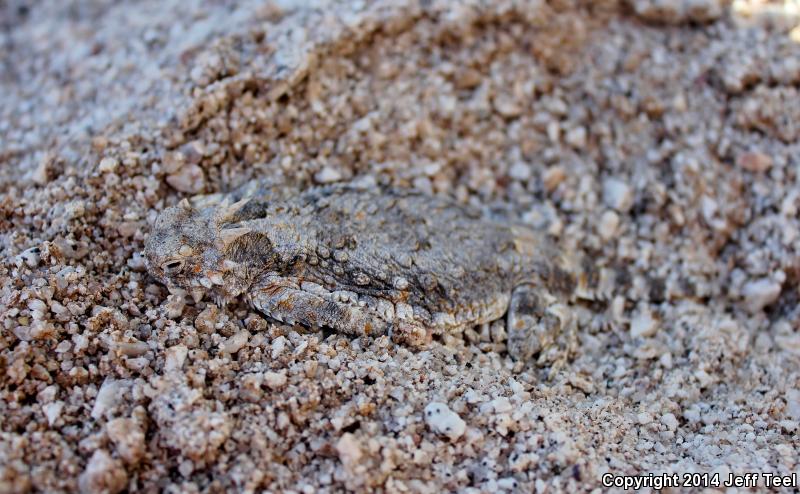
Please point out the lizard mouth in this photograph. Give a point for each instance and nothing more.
(216, 286)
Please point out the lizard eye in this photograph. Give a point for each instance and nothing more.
(172, 266)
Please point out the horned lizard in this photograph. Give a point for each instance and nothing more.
(369, 261)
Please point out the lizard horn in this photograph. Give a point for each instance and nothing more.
(228, 210)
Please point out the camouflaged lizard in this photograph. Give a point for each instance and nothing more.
(369, 261)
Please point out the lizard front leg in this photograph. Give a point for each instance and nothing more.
(285, 299)
(536, 320)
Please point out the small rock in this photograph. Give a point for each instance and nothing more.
(174, 305)
(609, 222)
(74, 209)
(500, 405)
(175, 358)
(128, 438)
(552, 177)
(349, 450)
(754, 162)
(206, 321)
(250, 387)
(278, 346)
(189, 178)
(108, 165)
(29, 257)
(617, 195)
(128, 229)
(235, 342)
(328, 175)
(644, 418)
(692, 415)
(669, 420)
(793, 404)
(583, 383)
(519, 171)
(643, 324)
(576, 137)
(53, 411)
(506, 106)
(173, 161)
(444, 421)
(275, 380)
(103, 475)
(110, 394)
(760, 293)
(41, 175)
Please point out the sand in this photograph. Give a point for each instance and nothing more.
(661, 136)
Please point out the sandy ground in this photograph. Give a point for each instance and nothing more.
(658, 135)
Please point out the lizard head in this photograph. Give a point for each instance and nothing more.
(186, 249)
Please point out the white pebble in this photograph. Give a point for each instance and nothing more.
(793, 404)
(403, 311)
(275, 380)
(189, 178)
(609, 222)
(576, 137)
(501, 405)
(53, 411)
(617, 195)
(176, 356)
(103, 474)
(643, 324)
(111, 393)
(328, 175)
(760, 293)
(277, 346)
(349, 450)
(444, 421)
(29, 257)
(235, 342)
(670, 421)
(108, 165)
(519, 171)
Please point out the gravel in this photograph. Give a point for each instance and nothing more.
(658, 136)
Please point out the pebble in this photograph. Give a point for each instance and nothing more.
(190, 179)
(760, 293)
(617, 194)
(29, 257)
(206, 321)
(754, 162)
(235, 342)
(669, 420)
(52, 411)
(643, 324)
(349, 450)
(174, 305)
(576, 137)
(110, 394)
(444, 421)
(175, 358)
(277, 346)
(128, 439)
(552, 177)
(275, 380)
(520, 171)
(328, 175)
(609, 222)
(103, 475)
(108, 165)
(429, 125)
